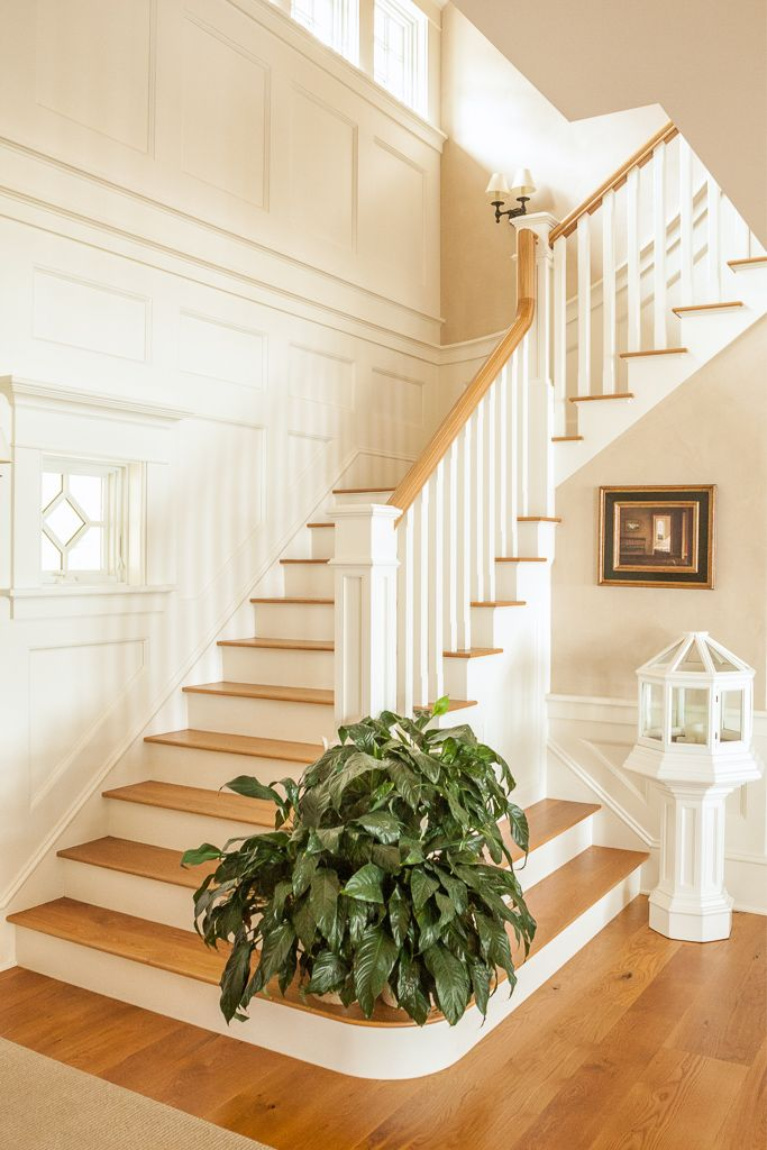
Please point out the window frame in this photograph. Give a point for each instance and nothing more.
(115, 521)
(415, 93)
(344, 38)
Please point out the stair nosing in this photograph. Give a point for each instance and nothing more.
(726, 305)
(132, 793)
(288, 601)
(654, 352)
(167, 739)
(323, 646)
(601, 398)
(261, 692)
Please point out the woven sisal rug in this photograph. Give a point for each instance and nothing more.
(45, 1105)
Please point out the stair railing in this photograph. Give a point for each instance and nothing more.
(408, 572)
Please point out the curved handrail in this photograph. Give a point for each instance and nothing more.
(419, 474)
(616, 180)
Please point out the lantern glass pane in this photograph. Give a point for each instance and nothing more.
(720, 662)
(731, 724)
(652, 711)
(689, 715)
(693, 661)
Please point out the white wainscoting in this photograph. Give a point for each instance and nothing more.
(590, 739)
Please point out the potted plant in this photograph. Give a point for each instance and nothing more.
(387, 868)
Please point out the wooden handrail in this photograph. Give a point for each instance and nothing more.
(616, 180)
(466, 404)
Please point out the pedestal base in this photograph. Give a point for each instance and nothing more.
(676, 918)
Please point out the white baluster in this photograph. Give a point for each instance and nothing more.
(659, 253)
(501, 427)
(560, 335)
(475, 424)
(436, 544)
(634, 292)
(584, 304)
(513, 465)
(464, 539)
(609, 349)
(405, 616)
(453, 548)
(524, 427)
(713, 226)
(487, 510)
(685, 222)
(422, 595)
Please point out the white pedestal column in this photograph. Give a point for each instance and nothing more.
(690, 901)
(365, 565)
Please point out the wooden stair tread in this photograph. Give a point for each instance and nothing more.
(319, 695)
(601, 398)
(252, 745)
(473, 653)
(499, 603)
(752, 261)
(521, 559)
(196, 801)
(308, 562)
(286, 601)
(567, 439)
(547, 819)
(280, 644)
(707, 307)
(453, 705)
(656, 351)
(139, 859)
(541, 518)
(363, 490)
(555, 902)
(312, 526)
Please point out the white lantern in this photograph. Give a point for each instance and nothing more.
(694, 737)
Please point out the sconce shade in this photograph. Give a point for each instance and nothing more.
(498, 190)
(522, 184)
(5, 451)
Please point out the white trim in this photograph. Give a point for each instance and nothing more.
(603, 795)
(33, 393)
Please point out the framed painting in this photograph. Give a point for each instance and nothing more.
(656, 536)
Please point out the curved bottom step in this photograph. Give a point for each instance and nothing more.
(168, 970)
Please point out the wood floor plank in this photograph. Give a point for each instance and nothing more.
(196, 800)
(745, 1124)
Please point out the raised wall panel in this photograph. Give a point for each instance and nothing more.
(323, 167)
(304, 451)
(399, 186)
(321, 377)
(225, 114)
(70, 690)
(396, 397)
(93, 316)
(218, 350)
(94, 64)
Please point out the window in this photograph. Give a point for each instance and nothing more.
(334, 22)
(83, 525)
(400, 51)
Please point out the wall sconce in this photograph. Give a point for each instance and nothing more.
(499, 192)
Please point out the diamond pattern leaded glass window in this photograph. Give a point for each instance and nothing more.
(81, 522)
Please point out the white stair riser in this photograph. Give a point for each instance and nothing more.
(177, 830)
(266, 718)
(362, 497)
(470, 715)
(211, 770)
(747, 283)
(468, 678)
(520, 580)
(308, 580)
(538, 539)
(160, 902)
(554, 854)
(360, 1051)
(707, 332)
(294, 620)
(323, 542)
(278, 667)
(496, 626)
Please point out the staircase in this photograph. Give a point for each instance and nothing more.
(392, 598)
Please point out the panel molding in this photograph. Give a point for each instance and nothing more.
(335, 113)
(40, 271)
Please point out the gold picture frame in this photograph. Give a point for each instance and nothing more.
(657, 536)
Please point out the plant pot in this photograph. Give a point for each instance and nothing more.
(386, 996)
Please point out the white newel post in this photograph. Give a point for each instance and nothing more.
(541, 393)
(695, 740)
(365, 565)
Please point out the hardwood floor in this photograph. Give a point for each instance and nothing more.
(638, 1043)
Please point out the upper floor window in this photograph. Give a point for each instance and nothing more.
(83, 522)
(401, 51)
(334, 22)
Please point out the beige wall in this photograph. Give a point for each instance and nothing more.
(496, 120)
(704, 61)
(712, 429)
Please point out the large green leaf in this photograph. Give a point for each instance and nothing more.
(382, 825)
(366, 884)
(235, 978)
(357, 919)
(303, 872)
(410, 990)
(520, 831)
(373, 962)
(275, 949)
(198, 855)
(451, 980)
(305, 922)
(252, 789)
(422, 887)
(329, 972)
(481, 980)
(399, 915)
(406, 781)
(324, 897)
